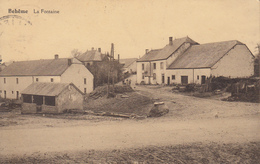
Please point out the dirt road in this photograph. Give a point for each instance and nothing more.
(189, 120)
(128, 134)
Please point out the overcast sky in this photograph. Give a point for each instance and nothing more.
(132, 25)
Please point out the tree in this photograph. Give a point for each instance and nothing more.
(75, 53)
(257, 61)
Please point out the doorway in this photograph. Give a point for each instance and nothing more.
(168, 80)
(162, 78)
(203, 79)
(184, 80)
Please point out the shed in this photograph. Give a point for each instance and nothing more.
(51, 98)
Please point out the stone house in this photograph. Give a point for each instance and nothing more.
(185, 61)
(19, 75)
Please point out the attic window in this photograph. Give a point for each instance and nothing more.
(161, 65)
(51, 79)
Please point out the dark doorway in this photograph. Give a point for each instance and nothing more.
(163, 78)
(184, 80)
(168, 80)
(17, 95)
(38, 100)
(203, 79)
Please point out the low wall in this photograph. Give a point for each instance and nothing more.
(28, 108)
(49, 109)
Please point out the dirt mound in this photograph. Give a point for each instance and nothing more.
(131, 104)
(101, 91)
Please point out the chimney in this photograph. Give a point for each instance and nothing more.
(69, 62)
(99, 49)
(56, 56)
(170, 40)
(92, 48)
(146, 51)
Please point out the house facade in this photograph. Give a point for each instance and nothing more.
(19, 75)
(194, 63)
(47, 97)
(91, 57)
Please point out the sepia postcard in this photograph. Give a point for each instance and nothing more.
(129, 81)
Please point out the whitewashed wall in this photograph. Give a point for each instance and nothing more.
(237, 63)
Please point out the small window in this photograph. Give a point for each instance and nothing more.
(88, 64)
(85, 81)
(4, 80)
(142, 66)
(173, 77)
(17, 81)
(37, 79)
(161, 64)
(154, 76)
(154, 65)
(198, 77)
(142, 75)
(85, 90)
(12, 92)
(51, 79)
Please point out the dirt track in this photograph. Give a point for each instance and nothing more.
(189, 120)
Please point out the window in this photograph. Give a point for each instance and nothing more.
(142, 75)
(37, 79)
(154, 76)
(198, 77)
(161, 64)
(12, 92)
(154, 65)
(50, 100)
(85, 81)
(85, 90)
(142, 66)
(173, 77)
(51, 79)
(4, 80)
(27, 98)
(17, 81)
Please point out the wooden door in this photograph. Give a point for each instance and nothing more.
(184, 80)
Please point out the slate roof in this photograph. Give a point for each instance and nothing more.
(92, 55)
(168, 50)
(204, 55)
(44, 67)
(46, 89)
(127, 62)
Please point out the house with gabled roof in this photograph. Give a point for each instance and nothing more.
(91, 57)
(19, 75)
(196, 62)
(129, 65)
(151, 67)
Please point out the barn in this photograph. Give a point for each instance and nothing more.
(46, 97)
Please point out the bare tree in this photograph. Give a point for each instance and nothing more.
(75, 53)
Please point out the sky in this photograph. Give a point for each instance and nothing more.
(132, 25)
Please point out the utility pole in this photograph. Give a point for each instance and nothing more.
(113, 59)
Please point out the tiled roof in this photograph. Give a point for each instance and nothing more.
(46, 67)
(204, 55)
(167, 50)
(92, 55)
(127, 62)
(46, 89)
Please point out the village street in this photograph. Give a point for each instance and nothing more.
(190, 120)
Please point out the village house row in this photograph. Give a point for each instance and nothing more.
(44, 82)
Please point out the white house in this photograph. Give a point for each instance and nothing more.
(19, 75)
(129, 65)
(193, 62)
